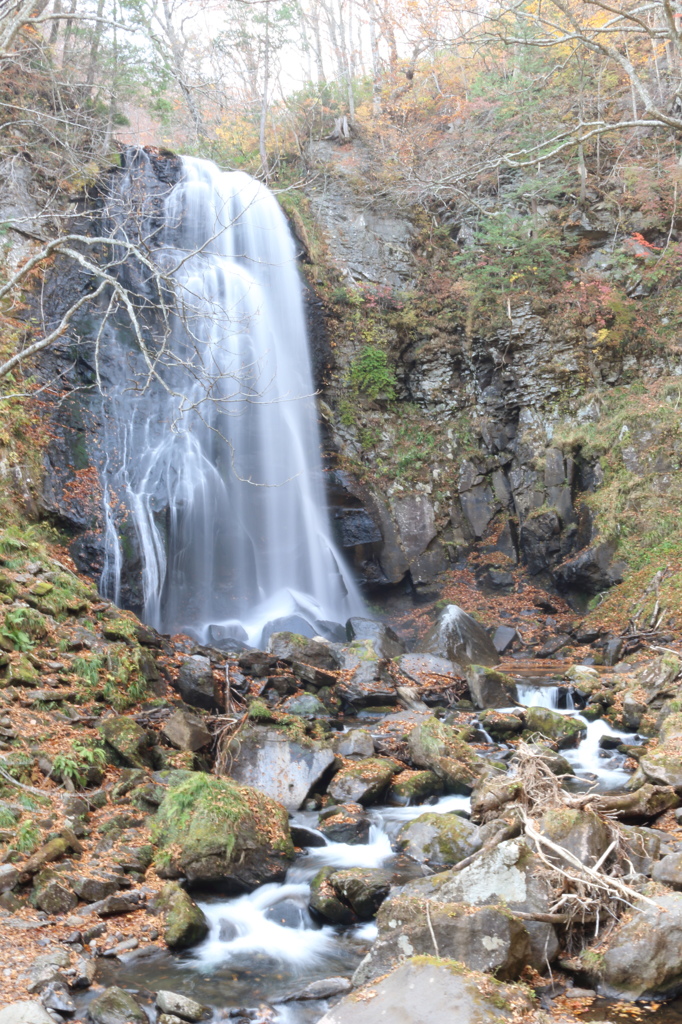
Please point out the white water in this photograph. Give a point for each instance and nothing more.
(538, 696)
(222, 477)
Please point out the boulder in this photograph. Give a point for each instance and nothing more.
(115, 1006)
(52, 894)
(582, 832)
(91, 888)
(490, 689)
(194, 683)
(179, 1006)
(25, 1011)
(503, 638)
(293, 647)
(363, 889)
(275, 763)
(439, 840)
(211, 829)
(186, 731)
(669, 871)
(658, 675)
(643, 954)
(485, 939)
(501, 726)
(127, 740)
(307, 705)
(368, 686)
(325, 988)
(566, 732)
(385, 642)
(364, 782)
(346, 824)
(9, 876)
(663, 767)
(184, 923)
(418, 667)
(428, 989)
(436, 746)
(457, 636)
(355, 743)
(642, 846)
(325, 901)
(413, 787)
(591, 571)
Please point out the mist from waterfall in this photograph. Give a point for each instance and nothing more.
(217, 459)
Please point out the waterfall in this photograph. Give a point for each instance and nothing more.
(214, 458)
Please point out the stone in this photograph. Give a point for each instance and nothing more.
(281, 767)
(582, 832)
(363, 889)
(325, 988)
(427, 990)
(115, 1006)
(386, 643)
(291, 647)
(25, 1011)
(591, 571)
(52, 894)
(658, 675)
(642, 846)
(325, 901)
(194, 683)
(485, 939)
(9, 877)
(669, 871)
(92, 888)
(362, 783)
(566, 732)
(642, 958)
(55, 996)
(436, 746)
(184, 923)
(127, 739)
(458, 637)
(368, 686)
(489, 688)
(413, 787)
(186, 731)
(345, 824)
(355, 743)
(418, 667)
(503, 638)
(211, 829)
(439, 840)
(307, 705)
(179, 1006)
(663, 768)
(501, 726)
(83, 971)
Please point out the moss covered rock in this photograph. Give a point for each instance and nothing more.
(566, 732)
(127, 740)
(363, 889)
(325, 901)
(439, 840)
(437, 746)
(364, 782)
(184, 923)
(413, 787)
(211, 829)
(116, 1007)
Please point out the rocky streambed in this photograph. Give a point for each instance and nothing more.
(285, 832)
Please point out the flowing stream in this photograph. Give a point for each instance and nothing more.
(215, 456)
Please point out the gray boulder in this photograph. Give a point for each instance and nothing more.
(116, 1007)
(435, 745)
(582, 832)
(385, 642)
(428, 990)
(490, 689)
(418, 667)
(362, 783)
(26, 1011)
(292, 647)
(265, 758)
(186, 731)
(644, 953)
(566, 732)
(669, 871)
(194, 683)
(439, 840)
(458, 637)
(355, 743)
(179, 1005)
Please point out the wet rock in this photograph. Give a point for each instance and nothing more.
(385, 642)
(211, 829)
(288, 914)
(501, 726)
(325, 902)
(363, 889)
(503, 638)
(582, 832)
(55, 996)
(325, 988)
(194, 683)
(490, 689)
(482, 938)
(436, 746)
(306, 837)
(116, 1007)
(430, 989)
(362, 783)
(267, 759)
(566, 732)
(458, 637)
(413, 787)
(179, 1006)
(25, 1011)
(355, 743)
(642, 958)
(293, 647)
(346, 824)
(439, 840)
(125, 737)
(186, 731)
(184, 923)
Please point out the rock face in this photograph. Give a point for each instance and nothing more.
(425, 990)
(265, 758)
(439, 840)
(644, 954)
(460, 638)
(436, 746)
(212, 830)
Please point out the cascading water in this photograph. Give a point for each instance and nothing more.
(217, 456)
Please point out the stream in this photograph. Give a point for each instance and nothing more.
(265, 946)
